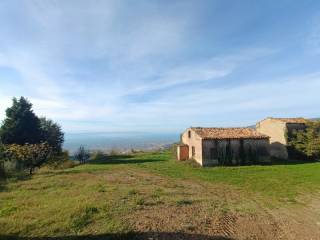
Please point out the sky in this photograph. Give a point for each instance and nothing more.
(160, 66)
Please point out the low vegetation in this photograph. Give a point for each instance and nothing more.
(305, 144)
(124, 196)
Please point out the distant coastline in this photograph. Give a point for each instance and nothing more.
(120, 141)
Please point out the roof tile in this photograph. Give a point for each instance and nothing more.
(291, 120)
(226, 133)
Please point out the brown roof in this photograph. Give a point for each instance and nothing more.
(228, 133)
(291, 120)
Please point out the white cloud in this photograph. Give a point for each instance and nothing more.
(184, 107)
(81, 62)
(205, 70)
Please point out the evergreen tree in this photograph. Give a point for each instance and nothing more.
(51, 133)
(21, 124)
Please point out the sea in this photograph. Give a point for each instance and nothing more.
(119, 141)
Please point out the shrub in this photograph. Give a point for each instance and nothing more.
(140, 201)
(82, 155)
(114, 152)
(305, 142)
(98, 155)
(2, 159)
(65, 164)
(28, 156)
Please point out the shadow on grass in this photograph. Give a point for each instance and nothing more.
(3, 187)
(127, 236)
(287, 162)
(13, 177)
(122, 159)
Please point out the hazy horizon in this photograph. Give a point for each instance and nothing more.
(124, 141)
(160, 66)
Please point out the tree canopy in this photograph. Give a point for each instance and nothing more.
(27, 140)
(21, 125)
(51, 133)
(307, 142)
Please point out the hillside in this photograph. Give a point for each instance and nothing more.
(152, 196)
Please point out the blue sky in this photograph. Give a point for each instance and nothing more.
(160, 66)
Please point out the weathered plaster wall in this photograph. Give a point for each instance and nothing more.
(276, 130)
(194, 141)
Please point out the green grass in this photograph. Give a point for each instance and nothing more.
(272, 180)
(95, 198)
(286, 180)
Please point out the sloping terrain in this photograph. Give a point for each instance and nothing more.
(151, 196)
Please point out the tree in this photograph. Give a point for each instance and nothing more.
(2, 159)
(307, 142)
(21, 124)
(51, 133)
(29, 155)
(82, 155)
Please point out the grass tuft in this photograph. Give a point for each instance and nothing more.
(132, 192)
(184, 202)
(82, 218)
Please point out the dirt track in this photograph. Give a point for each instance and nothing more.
(219, 212)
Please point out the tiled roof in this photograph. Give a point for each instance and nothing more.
(291, 120)
(228, 133)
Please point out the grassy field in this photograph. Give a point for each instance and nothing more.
(151, 194)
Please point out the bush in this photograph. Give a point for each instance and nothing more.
(305, 143)
(2, 159)
(62, 161)
(28, 156)
(98, 155)
(82, 155)
(114, 152)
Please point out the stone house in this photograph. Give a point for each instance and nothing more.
(213, 146)
(278, 129)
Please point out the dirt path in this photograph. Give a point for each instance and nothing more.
(198, 210)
